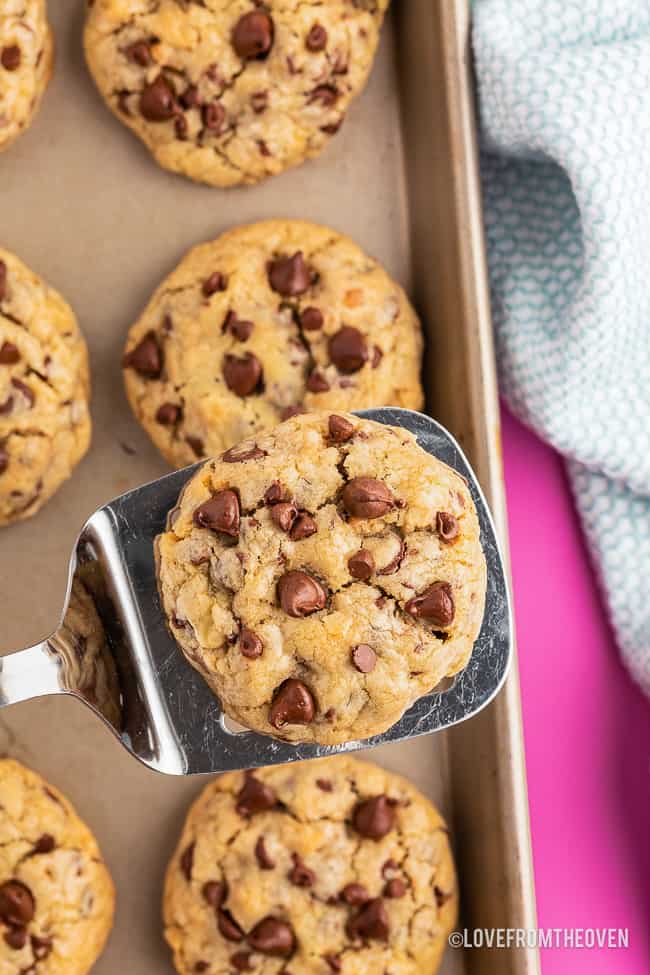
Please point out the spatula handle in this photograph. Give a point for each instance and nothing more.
(29, 673)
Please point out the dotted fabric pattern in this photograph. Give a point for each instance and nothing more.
(564, 89)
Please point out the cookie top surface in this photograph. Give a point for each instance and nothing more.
(270, 318)
(311, 868)
(44, 388)
(25, 64)
(323, 577)
(232, 91)
(56, 895)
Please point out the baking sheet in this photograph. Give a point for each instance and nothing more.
(85, 206)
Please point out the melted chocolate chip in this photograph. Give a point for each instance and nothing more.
(361, 565)
(187, 861)
(158, 101)
(275, 493)
(243, 374)
(371, 923)
(303, 527)
(316, 39)
(228, 927)
(139, 53)
(292, 704)
(250, 644)
(354, 895)
(325, 95)
(4, 460)
(219, 514)
(311, 320)
(395, 888)
(17, 903)
(242, 330)
(213, 116)
(300, 594)
(26, 391)
(216, 282)
(241, 961)
(366, 497)
(44, 844)
(300, 875)
(348, 349)
(374, 818)
(254, 796)
(9, 354)
(197, 445)
(214, 893)
(241, 453)
(41, 947)
(435, 605)
(146, 357)
(252, 36)
(11, 57)
(168, 414)
(16, 938)
(324, 785)
(265, 861)
(447, 527)
(340, 430)
(283, 515)
(364, 658)
(270, 936)
(316, 382)
(289, 276)
(334, 963)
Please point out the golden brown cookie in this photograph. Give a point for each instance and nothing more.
(268, 320)
(56, 894)
(232, 91)
(26, 56)
(44, 390)
(323, 577)
(314, 868)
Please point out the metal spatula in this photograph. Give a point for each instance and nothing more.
(113, 650)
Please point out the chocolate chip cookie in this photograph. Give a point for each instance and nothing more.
(271, 319)
(44, 389)
(323, 576)
(26, 56)
(232, 91)
(56, 894)
(314, 868)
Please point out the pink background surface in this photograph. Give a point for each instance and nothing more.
(587, 726)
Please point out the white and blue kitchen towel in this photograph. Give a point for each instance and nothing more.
(564, 93)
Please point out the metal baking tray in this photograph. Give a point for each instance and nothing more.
(85, 206)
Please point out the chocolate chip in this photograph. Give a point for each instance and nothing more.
(292, 704)
(377, 356)
(394, 564)
(275, 493)
(447, 526)
(252, 36)
(228, 927)
(241, 453)
(17, 903)
(395, 888)
(290, 411)
(214, 893)
(168, 414)
(442, 896)
(283, 515)
(4, 460)
(3, 280)
(254, 796)
(259, 101)
(158, 101)
(316, 39)
(250, 644)
(340, 430)
(7, 406)
(273, 937)
(300, 875)
(26, 391)
(201, 966)
(289, 276)
(41, 947)
(348, 349)
(303, 527)
(219, 514)
(354, 895)
(311, 320)
(213, 115)
(361, 565)
(146, 357)
(180, 127)
(389, 866)
(366, 497)
(240, 329)
(10, 57)
(364, 658)
(44, 844)
(435, 604)
(371, 923)
(242, 375)
(9, 354)
(324, 785)
(300, 594)
(316, 382)
(241, 961)
(262, 855)
(334, 963)
(16, 938)
(190, 97)
(216, 282)
(197, 445)
(374, 818)
(187, 861)
(139, 53)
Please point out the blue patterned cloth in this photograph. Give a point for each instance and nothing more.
(564, 90)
